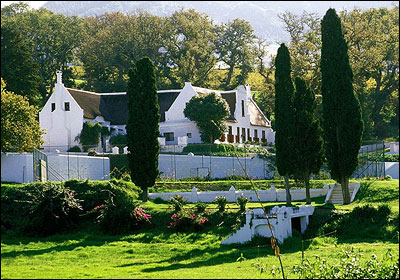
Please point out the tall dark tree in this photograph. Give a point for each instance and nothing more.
(342, 121)
(142, 128)
(284, 117)
(308, 135)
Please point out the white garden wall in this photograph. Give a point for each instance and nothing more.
(272, 194)
(19, 167)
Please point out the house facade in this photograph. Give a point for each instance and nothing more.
(67, 109)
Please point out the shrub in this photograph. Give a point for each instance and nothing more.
(221, 201)
(52, 207)
(118, 140)
(348, 266)
(94, 193)
(200, 207)
(74, 149)
(177, 202)
(119, 215)
(242, 201)
(186, 221)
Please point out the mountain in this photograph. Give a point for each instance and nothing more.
(262, 15)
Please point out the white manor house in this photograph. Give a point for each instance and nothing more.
(67, 109)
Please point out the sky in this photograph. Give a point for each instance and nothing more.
(33, 4)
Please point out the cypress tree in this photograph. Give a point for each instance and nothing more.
(284, 117)
(308, 135)
(342, 121)
(143, 128)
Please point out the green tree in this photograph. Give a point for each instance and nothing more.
(373, 44)
(113, 42)
(189, 48)
(17, 65)
(308, 153)
(89, 136)
(209, 112)
(284, 117)
(54, 39)
(142, 128)
(342, 121)
(20, 130)
(235, 46)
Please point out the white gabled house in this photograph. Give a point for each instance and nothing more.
(67, 109)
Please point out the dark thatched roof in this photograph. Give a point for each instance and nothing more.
(113, 107)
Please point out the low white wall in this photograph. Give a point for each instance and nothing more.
(65, 167)
(185, 166)
(18, 168)
(392, 169)
(271, 194)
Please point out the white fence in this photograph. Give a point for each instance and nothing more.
(272, 194)
(19, 167)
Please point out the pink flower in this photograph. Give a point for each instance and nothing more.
(72, 192)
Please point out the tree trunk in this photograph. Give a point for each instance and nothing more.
(345, 190)
(287, 187)
(145, 194)
(307, 182)
(229, 78)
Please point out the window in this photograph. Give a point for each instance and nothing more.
(238, 131)
(66, 106)
(248, 134)
(230, 130)
(263, 134)
(255, 133)
(169, 136)
(189, 135)
(53, 106)
(242, 108)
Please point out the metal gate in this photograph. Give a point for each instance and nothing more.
(40, 166)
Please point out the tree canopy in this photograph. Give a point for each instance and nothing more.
(20, 130)
(209, 111)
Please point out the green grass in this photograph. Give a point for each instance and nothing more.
(156, 252)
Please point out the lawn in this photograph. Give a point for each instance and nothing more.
(156, 252)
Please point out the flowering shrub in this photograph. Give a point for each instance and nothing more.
(177, 202)
(186, 221)
(242, 201)
(119, 216)
(221, 201)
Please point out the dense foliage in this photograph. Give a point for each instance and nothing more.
(284, 116)
(89, 136)
(20, 129)
(308, 154)
(142, 128)
(209, 112)
(342, 123)
(51, 207)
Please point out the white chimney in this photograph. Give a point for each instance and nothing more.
(59, 77)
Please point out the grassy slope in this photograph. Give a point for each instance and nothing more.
(158, 253)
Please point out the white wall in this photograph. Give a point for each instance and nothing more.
(392, 169)
(180, 128)
(271, 194)
(61, 127)
(19, 167)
